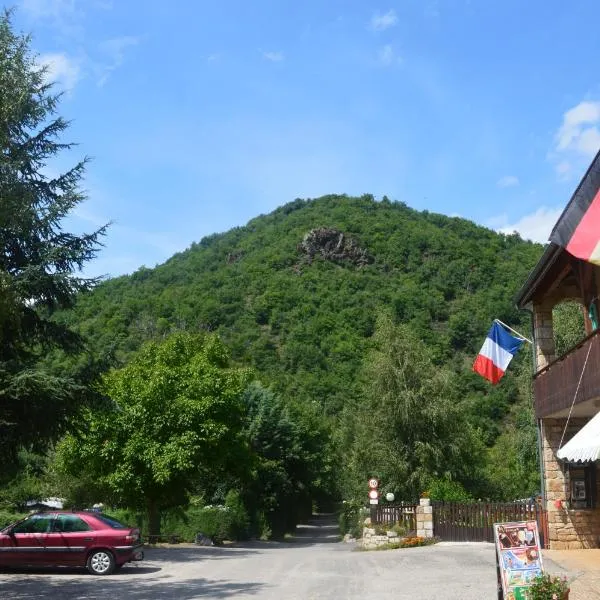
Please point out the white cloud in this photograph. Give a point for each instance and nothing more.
(59, 9)
(588, 141)
(66, 17)
(564, 169)
(578, 123)
(43, 9)
(387, 57)
(578, 138)
(61, 69)
(114, 49)
(535, 227)
(508, 181)
(380, 22)
(273, 56)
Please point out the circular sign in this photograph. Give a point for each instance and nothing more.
(390, 497)
(373, 494)
(373, 483)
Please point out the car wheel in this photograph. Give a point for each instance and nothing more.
(101, 562)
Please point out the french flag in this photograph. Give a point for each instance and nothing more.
(496, 353)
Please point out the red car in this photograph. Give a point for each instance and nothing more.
(79, 538)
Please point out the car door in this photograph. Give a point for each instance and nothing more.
(70, 538)
(24, 543)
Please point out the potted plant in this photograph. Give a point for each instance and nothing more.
(548, 587)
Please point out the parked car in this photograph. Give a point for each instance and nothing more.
(77, 538)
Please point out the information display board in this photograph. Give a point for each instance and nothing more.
(519, 557)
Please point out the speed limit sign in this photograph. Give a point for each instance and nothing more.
(373, 483)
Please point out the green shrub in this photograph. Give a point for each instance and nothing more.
(239, 521)
(212, 521)
(264, 529)
(7, 517)
(129, 517)
(448, 490)
(351, 517)
(219, 522)
(548, 587)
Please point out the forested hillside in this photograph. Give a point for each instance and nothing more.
(296, 295)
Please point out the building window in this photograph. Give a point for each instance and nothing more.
(583, 489)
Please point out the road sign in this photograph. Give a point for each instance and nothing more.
(373, 494)
(373, 483)
(374, 501)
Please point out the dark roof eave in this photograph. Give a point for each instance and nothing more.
(548, 258)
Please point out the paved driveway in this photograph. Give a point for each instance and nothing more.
(275, 571)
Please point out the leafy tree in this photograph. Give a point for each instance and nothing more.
(410, 431)
(177, 410)
(568, 326)
(39, 260)
(293, 460)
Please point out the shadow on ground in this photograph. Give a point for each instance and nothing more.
(103, 588)
(159, 577)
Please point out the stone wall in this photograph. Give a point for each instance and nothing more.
(370, 540)
(568, 528)
(424, 522)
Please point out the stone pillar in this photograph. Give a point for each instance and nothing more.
(554, 474)
(425, 518)
(543, 335)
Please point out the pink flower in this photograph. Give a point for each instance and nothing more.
(554, 596)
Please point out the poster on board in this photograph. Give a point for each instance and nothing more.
(519, 557)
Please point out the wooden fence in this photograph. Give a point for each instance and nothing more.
(473, 521)
(404, 513)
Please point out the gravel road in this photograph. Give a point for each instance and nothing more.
(312, 566)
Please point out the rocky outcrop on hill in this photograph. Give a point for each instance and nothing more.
(334, 245)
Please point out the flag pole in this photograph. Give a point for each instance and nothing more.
(511, 329)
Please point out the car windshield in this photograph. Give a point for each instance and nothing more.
(111, 522)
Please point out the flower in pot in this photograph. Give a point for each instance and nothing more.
(549, 587)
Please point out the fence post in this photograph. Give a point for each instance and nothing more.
(373, 514)
(424, 518)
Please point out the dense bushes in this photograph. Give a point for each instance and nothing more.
(217, 522)
(350, 518)
(7, 517)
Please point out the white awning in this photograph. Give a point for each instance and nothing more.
(584, 446)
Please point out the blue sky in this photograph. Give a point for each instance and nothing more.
(202, 115)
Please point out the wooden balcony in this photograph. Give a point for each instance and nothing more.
(555, 385)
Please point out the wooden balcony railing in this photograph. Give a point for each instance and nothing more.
(555, 385)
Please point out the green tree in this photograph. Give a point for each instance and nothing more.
(177, 410)
(568, 326)
(293, 460)
(40, 262)
(410, 431)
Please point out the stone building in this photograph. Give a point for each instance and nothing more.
(567, 387)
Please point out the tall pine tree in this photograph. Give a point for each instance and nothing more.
(40, 263)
